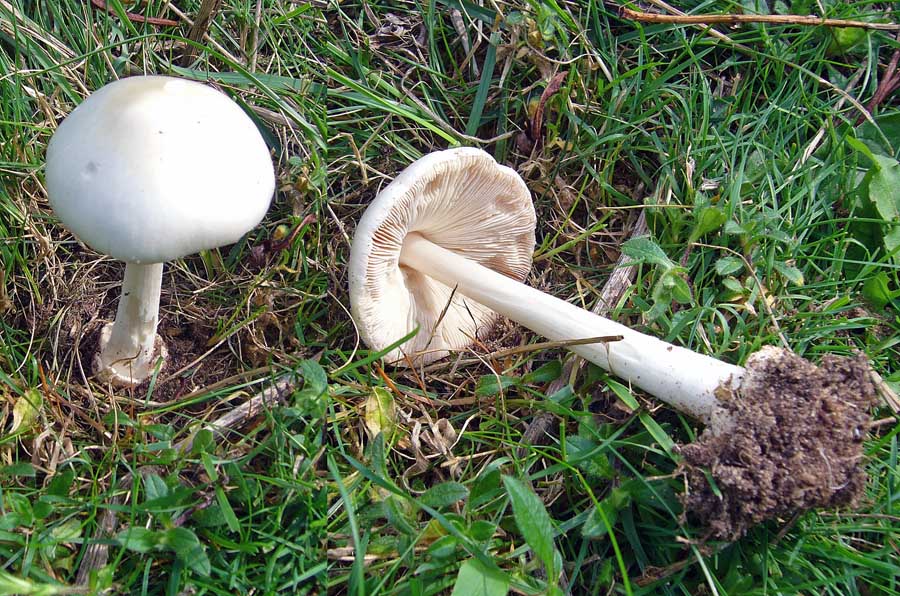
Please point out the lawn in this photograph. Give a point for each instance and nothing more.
(276, 454)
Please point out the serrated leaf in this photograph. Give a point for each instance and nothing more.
(474, 579)
(380, 413)
(444, 494)
(315, 380)
(729, 266)
(533, 522)
(26, 411)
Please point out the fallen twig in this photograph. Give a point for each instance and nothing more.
(532, 137)
(739, 19)
(205, 14)
(889, 83)
(273, 395)
(135, 18)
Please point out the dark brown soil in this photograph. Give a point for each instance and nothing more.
(792, 441)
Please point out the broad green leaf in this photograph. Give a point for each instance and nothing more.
(883, 136)
(26, 411)
(733, 285)
(790, 273)
(884, 192)
(482, 530)
(138, 539)
(474, 579)
(618, 499)
(20, 469)
(645, 250)
(186, 546)
(877, 290)
(681, 291)
(546, 373)
(489, 385)
(581, 453)
(861, 147)
(709, 220)
(155, 487)
(844, 39)
(534, 522)
(729, 265)
(444, 494)
(312, 398)
(381, 413)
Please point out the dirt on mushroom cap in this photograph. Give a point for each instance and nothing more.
(796, 443)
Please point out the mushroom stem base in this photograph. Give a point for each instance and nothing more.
(123, 369)
(130, 348)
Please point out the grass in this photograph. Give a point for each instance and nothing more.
(744, 148)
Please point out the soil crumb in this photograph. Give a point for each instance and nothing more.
(792, 441)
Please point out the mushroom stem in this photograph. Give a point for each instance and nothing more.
(684, 379)
(129, 347)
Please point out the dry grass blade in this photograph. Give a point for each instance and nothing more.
(739, 19)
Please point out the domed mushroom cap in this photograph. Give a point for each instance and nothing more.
(462, 200)
(151, 168)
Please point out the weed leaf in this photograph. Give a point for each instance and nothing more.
(533, 521)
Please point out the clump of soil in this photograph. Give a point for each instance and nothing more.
(791, 440)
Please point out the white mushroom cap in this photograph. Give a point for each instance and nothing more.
(462, 200)
(150, 169)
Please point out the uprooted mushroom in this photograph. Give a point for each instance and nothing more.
(149, 169)
(444, 248)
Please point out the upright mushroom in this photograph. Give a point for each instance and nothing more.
(149, 169)
(444, 248)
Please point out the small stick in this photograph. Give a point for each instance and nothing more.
(135, 18)
(889, 83)
(738, 19)
(199, 28)
(273, 395)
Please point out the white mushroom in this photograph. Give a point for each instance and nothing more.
(455, 220)
(457, 224)
(147, 170)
